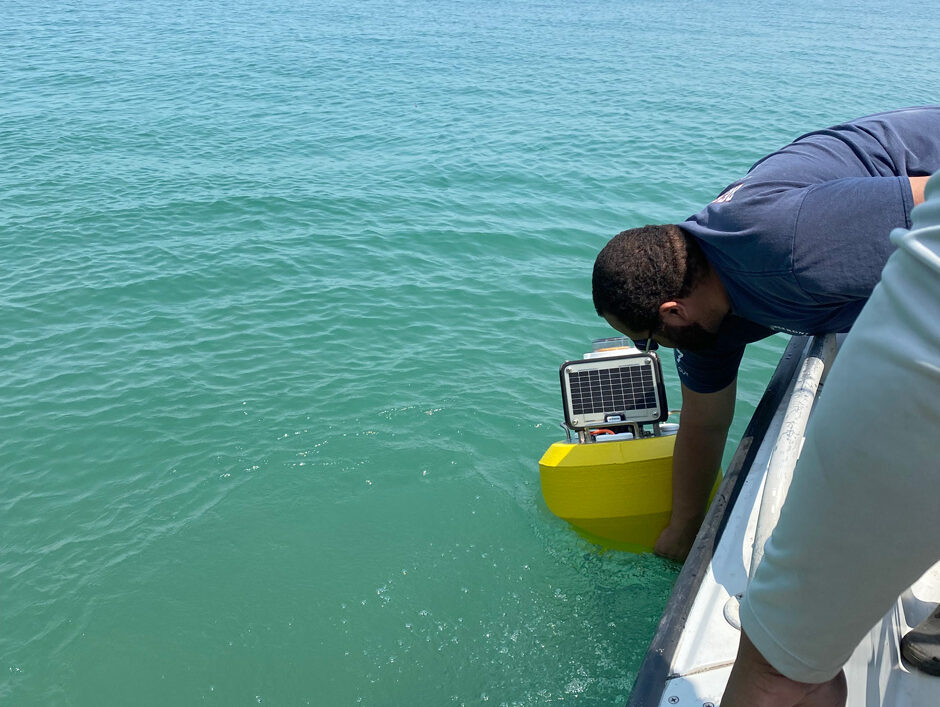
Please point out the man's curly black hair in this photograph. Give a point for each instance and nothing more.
(641, 268)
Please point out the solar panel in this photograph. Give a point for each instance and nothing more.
(617, 389)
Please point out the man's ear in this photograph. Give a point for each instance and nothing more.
(674, 313)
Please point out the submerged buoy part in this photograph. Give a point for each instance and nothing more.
(617, 494)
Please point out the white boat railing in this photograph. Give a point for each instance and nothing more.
(786, 451)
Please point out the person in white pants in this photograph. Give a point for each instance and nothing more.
(861, 520)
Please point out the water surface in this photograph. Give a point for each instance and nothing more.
(284, 292)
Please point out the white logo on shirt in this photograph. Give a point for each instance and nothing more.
(789, 331)
(726, 197)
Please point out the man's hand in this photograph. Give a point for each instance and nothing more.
(676, 541)
(756, 683)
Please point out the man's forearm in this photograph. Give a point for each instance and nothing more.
(695, 464)
(700, 443)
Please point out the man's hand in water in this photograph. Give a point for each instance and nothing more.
(675, 542)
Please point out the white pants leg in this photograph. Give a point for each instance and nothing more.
(861, 522)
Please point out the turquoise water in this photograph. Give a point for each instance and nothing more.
(284, 292)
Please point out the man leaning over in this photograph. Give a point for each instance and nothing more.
(795, 246)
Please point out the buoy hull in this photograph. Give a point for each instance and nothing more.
(617, 494)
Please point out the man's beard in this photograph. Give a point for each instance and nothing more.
(691, 337)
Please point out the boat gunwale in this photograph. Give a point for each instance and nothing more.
(650, 683)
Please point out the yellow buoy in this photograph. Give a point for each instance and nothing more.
(614, 485)
(617, 494)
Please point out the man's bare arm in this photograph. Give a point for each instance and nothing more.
(700, 444)
(917, 188)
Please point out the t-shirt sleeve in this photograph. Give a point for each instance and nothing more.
(706, 372)
(852, 219)
(711, 370)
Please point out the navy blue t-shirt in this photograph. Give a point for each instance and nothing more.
(799, 243)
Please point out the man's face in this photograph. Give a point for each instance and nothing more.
(691, 337)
